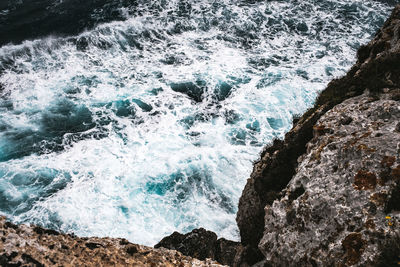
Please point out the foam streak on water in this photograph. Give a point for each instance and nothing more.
(143, 127)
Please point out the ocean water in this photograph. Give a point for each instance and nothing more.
(150, 125)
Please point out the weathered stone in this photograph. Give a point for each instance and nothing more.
(397, 129)
(327, 195)
(338, 214)
(364, 180)
(199, 243)
(338, 155)
(388, 161)
(202, 244)
(353, 244)
(345, 120)
(22, 245)
(226, 251)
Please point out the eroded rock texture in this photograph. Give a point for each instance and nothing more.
(336, 209)
(377, 71)
(22, 245)
(326, 195)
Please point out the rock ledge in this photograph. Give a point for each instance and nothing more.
(23, 245)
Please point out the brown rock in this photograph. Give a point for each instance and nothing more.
(388, 161)
(364, 180)
(45, 247)
(353, 244)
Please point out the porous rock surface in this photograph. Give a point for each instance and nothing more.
(341, 207)
(23, 245)
(375, 76)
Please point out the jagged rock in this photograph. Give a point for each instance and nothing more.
(202, 244)
(22, 245)
(377, 70)
(194, 90)
(199, 243)
(295, 237)
(397, 129)
(226, 251)
(328, 194)
(334, 210)
(270, 175)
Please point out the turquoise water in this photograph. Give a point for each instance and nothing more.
(142, 127)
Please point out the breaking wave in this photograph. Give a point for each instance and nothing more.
(149, 125)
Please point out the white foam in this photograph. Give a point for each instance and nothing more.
(139, 182)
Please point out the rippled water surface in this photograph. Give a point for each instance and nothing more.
(142, 127)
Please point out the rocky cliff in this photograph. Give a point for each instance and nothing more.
(326, 195)
(275, 178)
(342, 204)
(329, 193)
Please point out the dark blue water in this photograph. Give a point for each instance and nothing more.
(141, 127)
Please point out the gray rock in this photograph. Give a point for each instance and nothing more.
(335, 209)
(275, 183)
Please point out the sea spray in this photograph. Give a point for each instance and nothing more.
(142, 127)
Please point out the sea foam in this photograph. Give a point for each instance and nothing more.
(143, 127)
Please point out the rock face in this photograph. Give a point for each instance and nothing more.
(24, 245)
(350, 142)
(337, 209)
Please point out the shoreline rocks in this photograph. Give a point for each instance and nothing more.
(202, 244)
(23, 245)
(328, 194)
(377, 71)
(335, 210)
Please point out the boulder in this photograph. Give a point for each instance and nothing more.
(202, 244)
